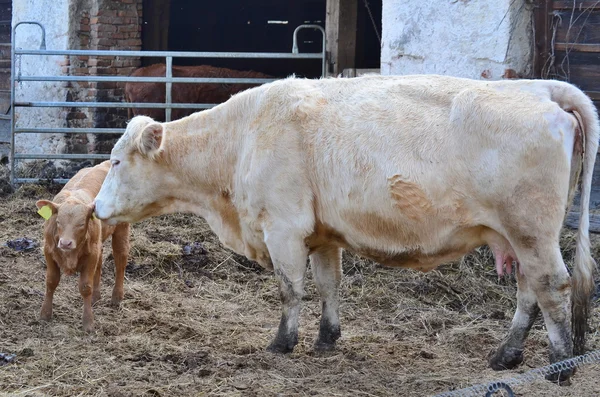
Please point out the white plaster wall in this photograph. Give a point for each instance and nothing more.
(54, 15)
(468, 38)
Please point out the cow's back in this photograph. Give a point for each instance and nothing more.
(396, 162)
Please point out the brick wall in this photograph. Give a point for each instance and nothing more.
(106, 25)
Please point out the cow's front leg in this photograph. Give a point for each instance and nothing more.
(289, 256)
(326, 265)
(120, 246)
(510, 353)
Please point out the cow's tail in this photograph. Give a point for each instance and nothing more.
(580, 105)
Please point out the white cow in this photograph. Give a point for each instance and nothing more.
(410, 171)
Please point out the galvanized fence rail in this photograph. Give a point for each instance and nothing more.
(16, 77)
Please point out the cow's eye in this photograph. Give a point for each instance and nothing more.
(115, 162)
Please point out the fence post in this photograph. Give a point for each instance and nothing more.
(168, 87)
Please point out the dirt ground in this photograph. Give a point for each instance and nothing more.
(196, 320)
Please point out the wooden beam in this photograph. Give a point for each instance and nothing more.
(340, 29)
(577, 47)
(579, 5)
(572, 221)
(541, 21)
(594, 95)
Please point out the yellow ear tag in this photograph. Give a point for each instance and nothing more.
(45, 212)
(94, 216)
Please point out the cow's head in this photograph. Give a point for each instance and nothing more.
(137, 183)
(71, 220)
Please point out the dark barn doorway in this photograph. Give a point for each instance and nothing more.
(252, 26)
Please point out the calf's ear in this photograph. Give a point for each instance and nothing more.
(150, 139)
(46, 208)
(43, 203)
(90, 212)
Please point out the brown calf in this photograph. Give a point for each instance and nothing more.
(73, 240)
(183, 92)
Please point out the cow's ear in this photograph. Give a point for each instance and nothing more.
(150, 139)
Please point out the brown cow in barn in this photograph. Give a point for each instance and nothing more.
(185, 92)
(73, 242)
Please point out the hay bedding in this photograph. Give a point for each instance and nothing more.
(196, 319)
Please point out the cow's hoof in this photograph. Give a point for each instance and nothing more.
(88, 324)
(46, 316)
(506, 358)
(563, 378)
(328, 335)
(281, 347)
(116, 301)
(322, 347)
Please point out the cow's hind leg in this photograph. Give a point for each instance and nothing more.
(289, 255)
(546, 275)
(326, 266)
(510, 353)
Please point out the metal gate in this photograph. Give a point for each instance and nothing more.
(16, 77)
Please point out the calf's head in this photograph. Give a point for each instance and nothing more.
(138, 183)
(71, 221)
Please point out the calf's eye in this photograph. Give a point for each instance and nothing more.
(115, 162)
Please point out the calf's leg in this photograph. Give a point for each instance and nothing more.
(52, 280)
(326, 265)
(97, 277)
(86, 279)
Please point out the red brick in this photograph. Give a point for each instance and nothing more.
(128, 28)
(107, 42)
(106, 28)
(94, 20)
(85, 21)
(79, 71)
(105, 71)
(99, 62)
(131, 42)
(76, 115)
(107, 13)
(127, 13)
(84, 28)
